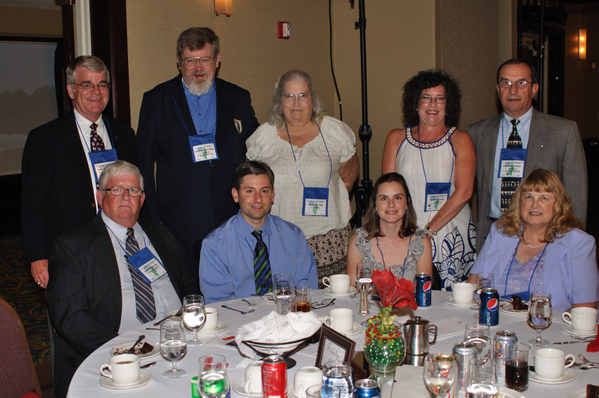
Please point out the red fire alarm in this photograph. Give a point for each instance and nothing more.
(283, 30)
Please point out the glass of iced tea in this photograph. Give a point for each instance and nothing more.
(302, 297)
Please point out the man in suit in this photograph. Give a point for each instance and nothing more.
(193, 128)
(522, 139)
(61, 161)
(98, 287)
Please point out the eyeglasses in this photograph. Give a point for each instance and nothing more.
(509, 83)
(323, 304)
(427, 99)
(119, 191)
(303, 98)
(87, 86)
(192, 61)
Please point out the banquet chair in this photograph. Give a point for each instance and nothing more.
(17, 373)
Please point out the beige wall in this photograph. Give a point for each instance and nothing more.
(23, 21)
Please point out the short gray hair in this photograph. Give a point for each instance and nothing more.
(196, 39)
(120, 167)
(275, 115)
(90, 62)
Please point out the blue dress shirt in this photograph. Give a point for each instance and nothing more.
(226, 260)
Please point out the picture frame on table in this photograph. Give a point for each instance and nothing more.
(334, 346)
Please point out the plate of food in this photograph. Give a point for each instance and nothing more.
(142, 349)
(514, 306)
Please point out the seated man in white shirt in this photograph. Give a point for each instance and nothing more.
(240, 257)
(112, 275)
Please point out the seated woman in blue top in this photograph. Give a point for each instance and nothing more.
(537, 246)
(390, 238)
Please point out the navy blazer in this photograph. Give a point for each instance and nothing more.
(191, 198)
(84, 292)
(57, 195)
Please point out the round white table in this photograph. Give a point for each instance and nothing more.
(449, 319)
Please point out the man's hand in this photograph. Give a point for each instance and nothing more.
(39, 271)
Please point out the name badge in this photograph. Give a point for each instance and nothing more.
(147, 265)
(437, 194)
(316, 202)
(512, 163)
(101, 159)
(202, 151)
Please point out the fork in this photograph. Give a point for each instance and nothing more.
(248, 303)
(585, 360)
(179, 313)
(240, 311)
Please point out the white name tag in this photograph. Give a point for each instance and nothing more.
(204, 152)
(511, 169)
(435, 201)
(315, 207)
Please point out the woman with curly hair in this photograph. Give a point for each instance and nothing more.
(537, 246)
(389, 238)
(439, 164)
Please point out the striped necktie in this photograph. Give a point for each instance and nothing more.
(144, 296)
(96, 141)
(509, 184)
(262, 273)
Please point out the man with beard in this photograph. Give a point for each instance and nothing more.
(193, 129)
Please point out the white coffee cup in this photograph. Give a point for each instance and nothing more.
(462, 292)
(340, 319)
(338, 283)
(123, 369)
(582, 319)
(304, 378)
(550, 363)
(211, 319)
(253, 378)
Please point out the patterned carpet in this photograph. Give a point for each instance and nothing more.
(18, 288)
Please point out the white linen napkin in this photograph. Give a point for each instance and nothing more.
(275, 328)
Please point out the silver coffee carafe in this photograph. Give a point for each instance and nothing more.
(418, 339)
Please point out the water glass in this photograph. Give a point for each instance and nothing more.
(212, 376)
(539, 316)
(339, 374)
(482, 381)
(284, 293)
(439, 373)
(480, 335)
(319, 391)
(194, 316)
(484, 280)
(173, 345)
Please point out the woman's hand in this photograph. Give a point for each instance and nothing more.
(348, 171)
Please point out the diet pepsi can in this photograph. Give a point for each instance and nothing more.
(501, 340)
(464, 352)
(274, 377)
(367, 388)
(422, 289)
(489, 307)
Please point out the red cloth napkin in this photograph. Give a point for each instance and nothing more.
(594, 345)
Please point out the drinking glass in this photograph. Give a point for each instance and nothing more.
(484, 280)
(172, 345)
(212, 376)
(303, 297)
(339, 374)
(516, 366)
(194, 316)
(319, 391)
(440, 371)
(480, 335)
(539, 316)
(284, 293)
(482, 381)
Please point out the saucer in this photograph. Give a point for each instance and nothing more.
(327, 291)
(144, 378)
(567, 377)
(240, 389)
(268, 297)
(568, 329)
(509, 393)
(582, 393)
(355, 330)
(219, 328)
(507, 307)
(155, 351)
(449, 300)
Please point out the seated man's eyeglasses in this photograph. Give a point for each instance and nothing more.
(427, 99)
(192, 61)
(509, 83)
(87, 86)
(323, 304)
(119, 191)
(303, 98)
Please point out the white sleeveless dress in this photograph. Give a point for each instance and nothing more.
(454, 247)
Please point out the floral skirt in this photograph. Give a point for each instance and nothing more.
(330, 252)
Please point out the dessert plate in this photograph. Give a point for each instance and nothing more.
(121, 348)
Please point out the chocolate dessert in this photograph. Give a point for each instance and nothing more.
(518, 305)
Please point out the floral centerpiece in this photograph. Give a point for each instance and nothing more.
(384, 345)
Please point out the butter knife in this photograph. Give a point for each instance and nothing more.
(573, 342)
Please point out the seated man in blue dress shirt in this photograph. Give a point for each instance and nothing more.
(231, 263)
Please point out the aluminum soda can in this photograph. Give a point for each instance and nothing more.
(464, 352)
(195, 393)
(367, 388)
(274, 377)
(422, 289)
(489, 307)
(501, 340)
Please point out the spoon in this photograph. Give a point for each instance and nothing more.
(132, 349)
(148, 365)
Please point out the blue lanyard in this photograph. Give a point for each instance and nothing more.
(533, 271)
(295, 159)
(422, 160)
(404, 260)
(106, 124)
(119, 241)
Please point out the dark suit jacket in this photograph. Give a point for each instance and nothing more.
(191, 198)
(57, 195)
(554, 143)
(84, 291)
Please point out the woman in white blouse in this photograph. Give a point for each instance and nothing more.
(314, 160)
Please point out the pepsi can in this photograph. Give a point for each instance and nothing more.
(422, 289)
(367, 388)
(489, 307)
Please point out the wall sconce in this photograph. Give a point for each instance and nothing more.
(223, 7)
(582, 44)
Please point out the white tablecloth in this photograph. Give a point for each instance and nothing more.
(450, 320)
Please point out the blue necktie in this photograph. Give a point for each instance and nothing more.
(262, 273)
(144, 296)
